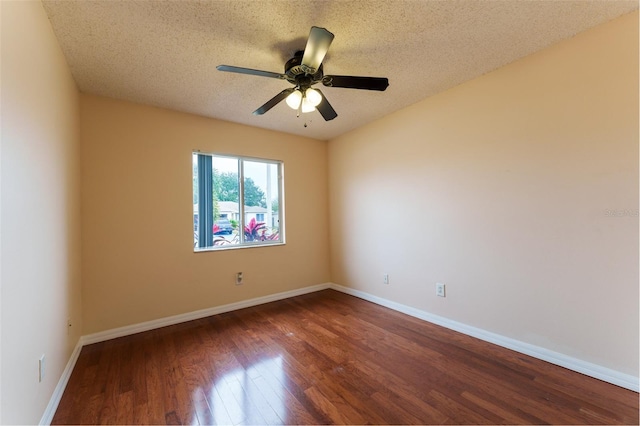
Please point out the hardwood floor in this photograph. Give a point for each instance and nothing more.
(325, 358)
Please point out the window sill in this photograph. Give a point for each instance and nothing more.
(236, 247)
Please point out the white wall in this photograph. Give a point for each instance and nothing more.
(506, 184)
(40, 210)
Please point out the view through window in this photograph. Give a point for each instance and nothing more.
(237, 201)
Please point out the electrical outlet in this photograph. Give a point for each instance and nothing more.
(41, 368)
(385, 278)
(440, 290)
(239, 278)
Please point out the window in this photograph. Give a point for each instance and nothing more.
(237, 202)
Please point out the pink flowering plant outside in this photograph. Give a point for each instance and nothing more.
(253, 231)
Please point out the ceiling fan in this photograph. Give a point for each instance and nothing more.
(305, 70)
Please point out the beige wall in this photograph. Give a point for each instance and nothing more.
(138, 262)
(504, 183)
(40, 236)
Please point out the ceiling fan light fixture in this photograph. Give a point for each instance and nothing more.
(313, 97)
(294, 99)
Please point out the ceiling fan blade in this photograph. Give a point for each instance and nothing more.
(250, 71)
(325, 108)
(274, 101)
(317, 46)
(367, 83)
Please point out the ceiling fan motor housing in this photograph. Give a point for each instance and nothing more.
(296, 75)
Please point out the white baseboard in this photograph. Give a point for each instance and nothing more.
(189, 316)
(593, 370)
(50, 411)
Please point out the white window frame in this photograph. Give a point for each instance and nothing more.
(242, 243)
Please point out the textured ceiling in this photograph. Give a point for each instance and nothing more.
(164, 53)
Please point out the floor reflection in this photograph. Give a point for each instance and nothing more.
(255, 395)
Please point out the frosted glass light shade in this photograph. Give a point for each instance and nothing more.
(307, 106)
(313, 96)
(294, 99)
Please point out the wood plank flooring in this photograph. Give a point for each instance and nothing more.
(326, 358)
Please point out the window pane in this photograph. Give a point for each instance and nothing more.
(226, 212)
(261, 200)
(236, 201)
(203, 201)
(195, 199)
